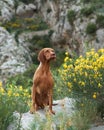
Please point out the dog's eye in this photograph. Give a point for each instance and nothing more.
(46, 51)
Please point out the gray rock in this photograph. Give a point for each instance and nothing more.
(100, 36)
(7, 9)
(14, 58)
(98, 128)
(20, 9)
(64, 106)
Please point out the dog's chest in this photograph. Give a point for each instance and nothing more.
(47, 80)
(43, 80)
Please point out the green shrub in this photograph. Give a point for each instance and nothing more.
(84, 75)
(83, 117)
(86, 1)
(27, 1)
(71, 16)
(91, 28)
(25, 24)
(12, 98)
(41, 41)
(37, 43)
(86, 11)
(61, 120)
(59, 90)
(49, 10)
(100, 21)
(24, 79)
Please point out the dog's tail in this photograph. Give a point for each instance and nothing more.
(54, 104)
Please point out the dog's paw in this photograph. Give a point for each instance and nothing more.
(51, 112)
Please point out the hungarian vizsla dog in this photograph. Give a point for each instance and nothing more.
(42, 89)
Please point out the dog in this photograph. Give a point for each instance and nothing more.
(42, 89)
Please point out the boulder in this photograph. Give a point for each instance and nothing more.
(24, 10)
(63, 108)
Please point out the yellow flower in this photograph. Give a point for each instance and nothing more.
(80, 57)
(99, 85)
(69, 90)
(9, 93)
(17, 94)
(82, 104)
(66, 59)
(81, 83)
(94, 96)
(86, 74)
(66, 53)
(101, 51)
(11, 86)
(29, 96)
(65, 66)
(69, 85)
(26, 94)
(2, 90)
(0, 84)
(20, 88)
(26, 90)
(58, 90)
(70, 66)
(75, 80)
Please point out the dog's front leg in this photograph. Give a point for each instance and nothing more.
(34, 107)
(50, 102)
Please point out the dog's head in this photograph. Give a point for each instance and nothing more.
(46, 54)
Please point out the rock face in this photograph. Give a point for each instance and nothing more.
(63, 107)
(14, 58)
(6, 9)
(75, 35)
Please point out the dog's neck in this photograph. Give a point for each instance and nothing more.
(44, 66)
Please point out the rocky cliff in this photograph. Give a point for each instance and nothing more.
(77, 25)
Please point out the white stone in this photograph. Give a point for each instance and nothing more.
(100, 35)
(31, 6)
(63, 106)
(20, 9)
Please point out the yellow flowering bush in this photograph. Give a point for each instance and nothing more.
(85, 75)
(24, 24)
(12, 98)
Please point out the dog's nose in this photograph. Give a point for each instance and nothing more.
(53, 55)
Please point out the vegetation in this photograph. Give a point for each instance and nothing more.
(96, 4)
(12, 98)
(24, 79)
(86, 11)
(71, 16)
(91, 28)
(84, 116)
(37, 43)
(25, 24)
(63, 122)
(27, 1)
(100, 21)
(86, 1)
(85, 76)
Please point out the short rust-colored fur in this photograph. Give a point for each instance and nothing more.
(42, 89)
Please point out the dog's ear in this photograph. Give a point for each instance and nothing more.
(41, 56)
